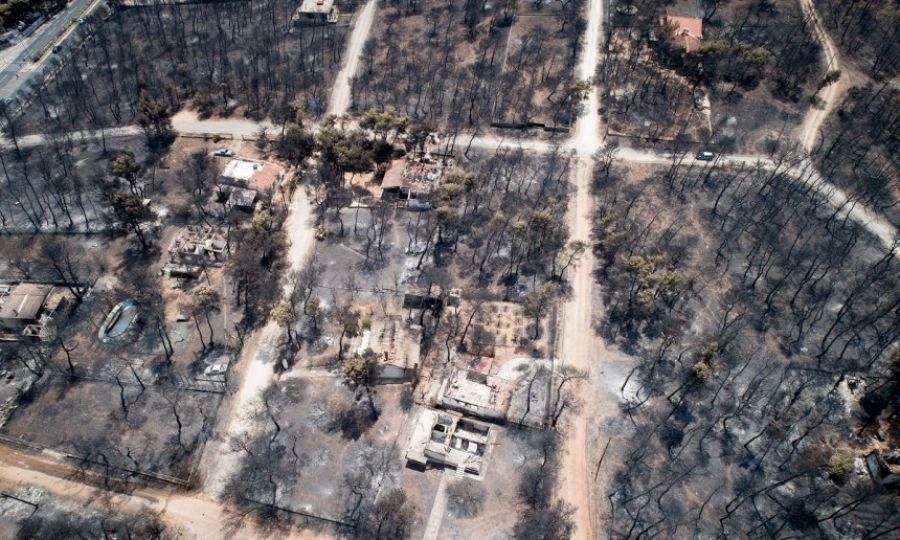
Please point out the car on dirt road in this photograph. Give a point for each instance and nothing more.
(705, 155)
(223, 152)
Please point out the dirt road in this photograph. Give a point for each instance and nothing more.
(187, 123)
(578, 346)
(340, 94)
(832, 94)
(802, 173)
(578, 342)
(587, 139)
(257, 358)
(200, 515)
(847, 207)
(191, 515)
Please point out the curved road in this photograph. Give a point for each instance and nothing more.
(831, 94)
(199, 515)
(258, 356)
(578, 343)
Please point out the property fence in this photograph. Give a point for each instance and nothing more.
(530, 125)
(31, 446)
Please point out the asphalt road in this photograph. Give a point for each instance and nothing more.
(12, 76)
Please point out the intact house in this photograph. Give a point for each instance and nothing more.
(193, 249)
(315, 12)
(26, 309)
(263, 177)
(687, 32)
(447, 439)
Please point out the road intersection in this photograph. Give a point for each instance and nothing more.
(578, 342)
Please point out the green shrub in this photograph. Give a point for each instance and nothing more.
(840, 464)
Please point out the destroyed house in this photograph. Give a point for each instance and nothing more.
(411, 180)
(26, 308)
(238, 198)
(396, 349)
(476, 394)
(446, 439)
(314, 12)
(194, 248)
(422, 300)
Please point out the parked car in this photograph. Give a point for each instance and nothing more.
(223, 152)
(216, 369)
(705, 155)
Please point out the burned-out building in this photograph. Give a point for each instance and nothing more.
(315, 12)
(195, 248)
(236, 198)
(412, 180)
(432, 299)
(447, 439)
(477, 394)
(26, 309)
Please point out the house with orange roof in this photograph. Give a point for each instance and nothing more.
(687, 32)
(263, 177)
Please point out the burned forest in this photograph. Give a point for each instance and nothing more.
(402, 269)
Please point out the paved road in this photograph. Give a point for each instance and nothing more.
(17, 72)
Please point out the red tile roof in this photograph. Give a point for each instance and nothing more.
(265, 178)
(684, 26)
(688, 31)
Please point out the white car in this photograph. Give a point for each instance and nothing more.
(216, 369)
(223, 152)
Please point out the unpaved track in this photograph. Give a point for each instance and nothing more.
(254, 372)
(831, 94)
(258, 359)
(199, 515)
(578, 347)
(438, 509)
(802, 173)
(340, 93)
(188, 123)
(579, 343)
(191, 515)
